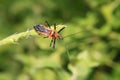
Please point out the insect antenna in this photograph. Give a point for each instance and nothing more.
(72, 34)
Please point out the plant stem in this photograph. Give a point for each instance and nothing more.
(15, 37)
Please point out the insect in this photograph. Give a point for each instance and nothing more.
(49, 33)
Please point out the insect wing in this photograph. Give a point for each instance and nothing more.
(41, 29)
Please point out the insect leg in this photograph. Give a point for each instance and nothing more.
(54, 43)
(51, 42)
(61, 29)
(45, 37)
(54, 26)
(47, 24)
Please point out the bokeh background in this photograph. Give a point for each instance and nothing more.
(92, 54)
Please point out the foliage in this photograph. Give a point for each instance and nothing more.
(92, 54)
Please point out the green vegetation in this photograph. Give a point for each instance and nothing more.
(92, 54)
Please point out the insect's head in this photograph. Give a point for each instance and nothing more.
(55, 34)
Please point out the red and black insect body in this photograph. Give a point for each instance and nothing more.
(49, 33)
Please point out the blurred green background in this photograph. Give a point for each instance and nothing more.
(92, 54)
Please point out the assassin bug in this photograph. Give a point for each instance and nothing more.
(49, 33)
